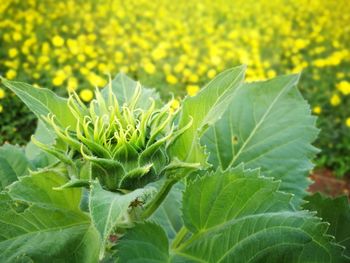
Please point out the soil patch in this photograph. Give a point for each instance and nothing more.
(326, 183)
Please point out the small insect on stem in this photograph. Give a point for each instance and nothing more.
(137, 202)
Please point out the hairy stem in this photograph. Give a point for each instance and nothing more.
(179, 237)
(159, 198)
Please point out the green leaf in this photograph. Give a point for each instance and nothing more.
(238, 216)
(37, 156)
(109, 210)
(39, 224)
(13, 164)
(42, 102)
(124, 88)
(335, 211)
(168, 215)
(205, 109)
(38, 189)
(144, 243)
(235, 216)
(268, 125)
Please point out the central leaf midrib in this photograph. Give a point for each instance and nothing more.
(255, 129)
(231, 222)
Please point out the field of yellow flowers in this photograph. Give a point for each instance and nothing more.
(176, 47)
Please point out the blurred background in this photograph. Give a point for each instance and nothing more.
(176, 47)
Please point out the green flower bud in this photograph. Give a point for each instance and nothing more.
(125, 145)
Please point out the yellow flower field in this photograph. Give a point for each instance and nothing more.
(178, 46)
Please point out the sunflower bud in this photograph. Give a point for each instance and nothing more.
(125, 145)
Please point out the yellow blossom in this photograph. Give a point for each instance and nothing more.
(17, 36)
(73, 46)
(344, 87)
(158, 54)
(13, 52)
(43, 60)
(124, 69)
(192, 90)
(96, 80)
(193, 78)
(84, 71)
(58, 81)
(57, 41)
(216, 60)
(1, 108)
(2, 93)
(59, 78)
(90, 51)
(81, 58)
(171, 79)
(211, 73)
(102, 67)
(320, 63)
(271, 73)
(72, 84)
(335, 100)
(149, 67)
(11, 74)
(175, 104)
(317, 110)
(347, 121)
(179, 67)
(118, 56)
(86, 95)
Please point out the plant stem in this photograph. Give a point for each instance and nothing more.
(179, 237)
(159, 198)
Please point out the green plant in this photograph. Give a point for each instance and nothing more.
(127, 179)
(17, 123)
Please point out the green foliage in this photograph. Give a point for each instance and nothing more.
(335, 211)
(130, 179)
(39, 224)
(168, 215)
(334, 141)
(203, 110)
(13, 164)
(42, 101)
(267, 123)
(108, 209)
(236, 216)
(17, 123)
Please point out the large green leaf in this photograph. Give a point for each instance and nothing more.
(268, 125)
(205, 109)
(42, 102)
(13, 164)
(237, 216)
(38, 224)
(335, 211)
(124, 89)
(109, 210)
